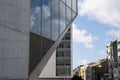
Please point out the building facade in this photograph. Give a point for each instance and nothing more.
(60, 64)
(113, 59)
(64, 56)
(14, 39)
(30, 32)
(76, 71)
(100, 70)
(95, 70)
(82, 72)
(116, 70)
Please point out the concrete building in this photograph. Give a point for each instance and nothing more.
(82, 72)
(14, 39)
(60, 64)
(94, 70)
(76, 71)
(100, 70)
(112, 58)
(86, 71)
(116, 70)
(30, 32)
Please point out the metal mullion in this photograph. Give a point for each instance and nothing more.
(59, 17)
(51, 21)
(65, 15)
(41, 29)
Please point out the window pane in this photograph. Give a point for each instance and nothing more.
(118, 46)
(63, 1)
(55, 19)
(69, 3)
(73, 14)
(67, 53)
(63, 71)
(68, 15)
(46, 18)
(74, 7)
(62, 17)
(35, 26)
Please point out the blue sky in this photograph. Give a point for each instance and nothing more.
(97, 23)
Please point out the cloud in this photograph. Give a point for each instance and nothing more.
(104, 11)
(115, 33)
(83, 37)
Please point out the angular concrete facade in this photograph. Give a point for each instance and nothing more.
(30, 32)
(59, 64)
(14, 39)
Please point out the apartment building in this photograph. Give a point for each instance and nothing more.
(116, 70)
(95, 70)
(114, 60)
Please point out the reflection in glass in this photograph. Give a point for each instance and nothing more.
(73, 14)
(46, 18)
(62, 17)
(55, 19)
(68, 15)
(35, 16)
(50, 17)
(63, 1)
(74, 7)
(69, 2)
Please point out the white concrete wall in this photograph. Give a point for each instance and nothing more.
(49, 70)
(14, 38)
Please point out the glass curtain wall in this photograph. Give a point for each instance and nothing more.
(49, 18)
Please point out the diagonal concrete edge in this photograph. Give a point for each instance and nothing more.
(36, 72)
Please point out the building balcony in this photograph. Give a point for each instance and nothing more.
(63, 49)
(66, 41)
(64, 57)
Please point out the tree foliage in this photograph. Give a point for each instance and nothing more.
(77, 78)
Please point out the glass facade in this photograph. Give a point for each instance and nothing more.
(49, 19)
(63, 56)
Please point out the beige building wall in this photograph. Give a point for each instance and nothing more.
(82, 72)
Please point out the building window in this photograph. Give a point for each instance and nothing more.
(67, 53)
(63, 62)
(60, 54)
(63, 71)
(118, 42)
(61, 45)
(68, 36)
(115, 71)
(118, 50)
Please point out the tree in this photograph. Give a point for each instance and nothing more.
(77, 78)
